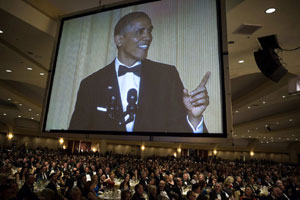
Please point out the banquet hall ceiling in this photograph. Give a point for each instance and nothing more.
(262, 109)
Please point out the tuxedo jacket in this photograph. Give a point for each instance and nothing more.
(160, 101)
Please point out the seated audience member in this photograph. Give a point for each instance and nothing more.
(162, 192)
(49, 194)
(111, 181)
(95, 182)
(144, 180)
(8, 188)
(248, 195)
(197, 189)
(27, 192)
(152, 190)
(191, 195)
(125, 185)
(81, 182)
(75, 194)
(217, 193)
(228, 184)
(125, 195)
(139, 192)
(88, 191)
(178, 188)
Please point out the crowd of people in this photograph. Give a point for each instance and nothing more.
(48, 174)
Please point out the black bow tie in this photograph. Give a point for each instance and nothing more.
(136, 70)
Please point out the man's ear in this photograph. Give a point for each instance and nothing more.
(119, 40)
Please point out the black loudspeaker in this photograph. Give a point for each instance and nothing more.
(269, 42)
(269, 64)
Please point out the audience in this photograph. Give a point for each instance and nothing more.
(47, 174)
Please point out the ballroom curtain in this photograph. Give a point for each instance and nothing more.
(184, 35)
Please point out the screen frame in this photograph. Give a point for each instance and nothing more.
(153, 136)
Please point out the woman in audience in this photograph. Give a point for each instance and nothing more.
(125, 185)
(125, 195)
(88, 191)
(248, 195)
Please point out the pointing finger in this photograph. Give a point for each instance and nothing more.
(205, 79)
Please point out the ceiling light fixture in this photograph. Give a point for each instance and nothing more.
(37, 114)
(263, 102)
(270, 10)
(19, 116)
(30, 109)
(9, 99)
(8, 71)
(283, 96)
(31, 118)
(29, 68)
(290, 120)
(20, 104)
(42, 74)
(249, 107)
(236, 111)
(1, 31)
(4, 114)
(241, 61)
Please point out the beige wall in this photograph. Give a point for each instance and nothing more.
(30, 142)
(231, 155)
(52, 143)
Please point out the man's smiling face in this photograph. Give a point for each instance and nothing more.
(134, 42)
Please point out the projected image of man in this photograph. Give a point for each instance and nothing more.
(134, 93)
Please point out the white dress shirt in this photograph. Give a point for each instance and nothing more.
(129, 81)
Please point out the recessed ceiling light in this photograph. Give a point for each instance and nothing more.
(20, 104)
(287, 138)
(249, 107)
(270, 10)
(277, 123)
(241, 61)
(248, 131)
(290, 120)
(8, 71)
(249, 136)
(37, 114)
(235, 135)
(42, 74)
(4, 114)
(261, 141)
(293, 135)
(283, 96)
(19, 116)
(9, 99)
(236, 111)
(29, 68)
(1, 31)
(297, 139)
(264, 137)
(31, 118)
(30, 109)
(267, 142)
(263, 102)
(266, 125)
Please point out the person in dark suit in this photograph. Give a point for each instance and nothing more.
(163, 105)
(26, 191)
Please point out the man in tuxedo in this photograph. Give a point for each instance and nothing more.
(163, 105)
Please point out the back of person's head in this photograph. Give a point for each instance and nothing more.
(75, 193)
(48, 194)
(125, 195)
(126, 20)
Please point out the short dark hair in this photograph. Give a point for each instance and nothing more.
(126, 20)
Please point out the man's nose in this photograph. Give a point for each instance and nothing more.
(147, 36)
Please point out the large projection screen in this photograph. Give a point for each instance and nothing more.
(186, 35)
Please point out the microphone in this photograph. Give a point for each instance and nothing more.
(132, 105)
(112, 107)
